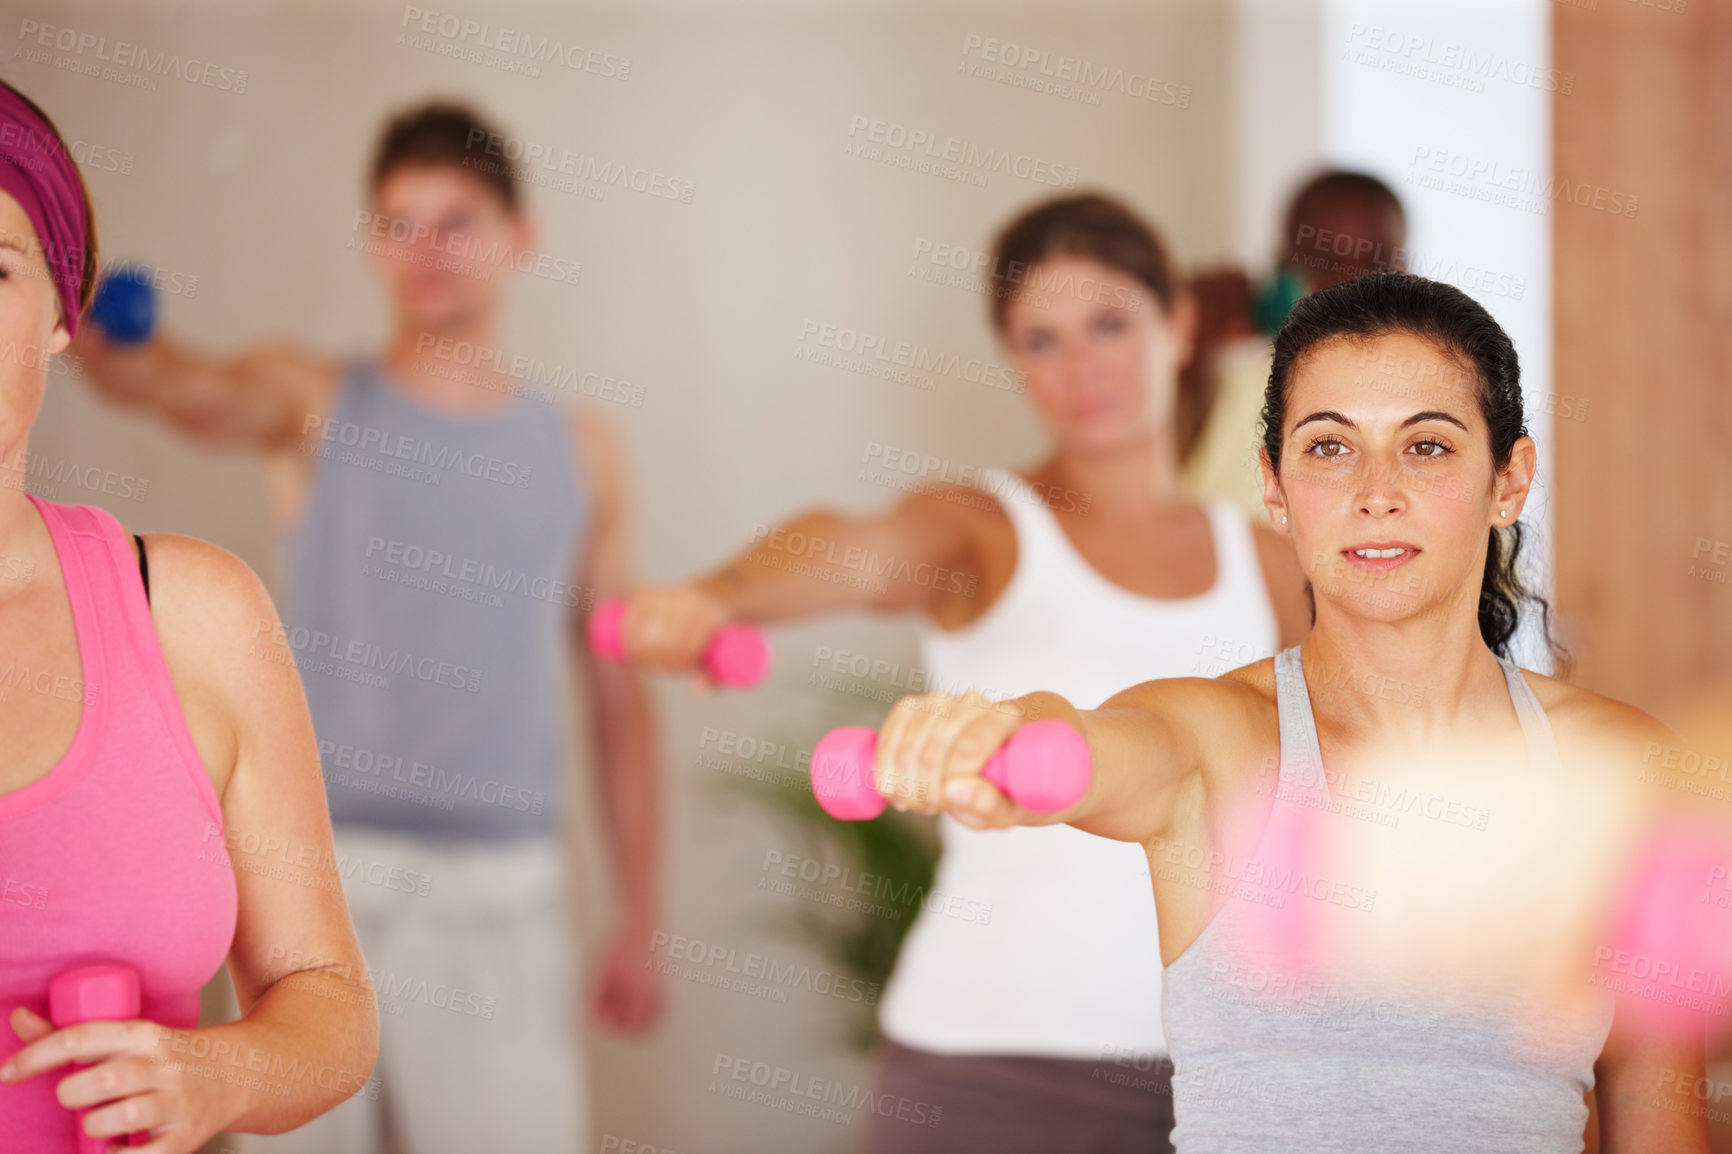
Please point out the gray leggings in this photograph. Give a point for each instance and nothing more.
(998, 1104)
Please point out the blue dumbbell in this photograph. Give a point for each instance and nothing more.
(124, 306)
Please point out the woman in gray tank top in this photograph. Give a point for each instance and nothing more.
(1094, 323)
(1384, 858)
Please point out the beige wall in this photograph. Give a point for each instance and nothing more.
(700, 305)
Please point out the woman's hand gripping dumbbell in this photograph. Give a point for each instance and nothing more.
(680, 628)
(977, 761)
(101, 993)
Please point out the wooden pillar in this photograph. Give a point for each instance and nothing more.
(1642, 492)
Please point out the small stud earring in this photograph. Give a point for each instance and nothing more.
(1503, 512)
(1283, 518)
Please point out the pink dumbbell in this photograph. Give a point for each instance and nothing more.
(1670, 917)
(107, 993)
(1043, 768)
(737, 655)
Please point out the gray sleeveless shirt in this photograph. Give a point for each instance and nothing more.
(426, 592)
(1269, 1059)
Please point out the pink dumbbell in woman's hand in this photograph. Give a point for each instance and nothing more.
(107, 993)
(1043, 768)
(738, 655)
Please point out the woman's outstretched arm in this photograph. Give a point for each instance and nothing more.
(909, 557)
(1153, 749)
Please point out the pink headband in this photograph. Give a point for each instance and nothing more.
(37, 172)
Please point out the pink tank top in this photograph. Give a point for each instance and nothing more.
(117, 854)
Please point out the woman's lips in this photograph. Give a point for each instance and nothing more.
(1085, 410)
(1379, 558)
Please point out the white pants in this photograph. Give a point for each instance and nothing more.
(477, 982)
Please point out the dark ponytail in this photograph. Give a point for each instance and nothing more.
(1393, 302)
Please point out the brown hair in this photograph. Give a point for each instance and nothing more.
(87, 273)
(1088, 225)
(446, 133)
(1096, 227)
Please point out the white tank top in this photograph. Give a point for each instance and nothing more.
(1042, 940)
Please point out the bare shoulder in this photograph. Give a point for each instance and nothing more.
(1244, 690)
(952, 523)
(1248, 712)
(591, 432)
(948, 526)
(1592, 724)
(227, 654)
(1257, 679)
(295, 387)
(314, 374)
(1229, 723)
(600, 460)
(966, 527)
(959, 506)
(208, 603)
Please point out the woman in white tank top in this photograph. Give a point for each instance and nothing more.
(1411, 897)
(1035, 1023)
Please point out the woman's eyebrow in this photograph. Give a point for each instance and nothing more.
(1325, 415)
(1417, 418)
(1434, 415)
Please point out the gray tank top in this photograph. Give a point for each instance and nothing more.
(1270, 1059)
(426, 593)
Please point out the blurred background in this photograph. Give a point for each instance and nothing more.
(1569, 164)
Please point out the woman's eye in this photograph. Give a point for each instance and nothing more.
(1327, 447)
(1110, 324)
(1437, 448)
(1038, 342)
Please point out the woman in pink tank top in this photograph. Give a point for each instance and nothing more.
(161, 807)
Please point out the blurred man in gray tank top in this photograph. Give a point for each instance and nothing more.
(448, 524)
